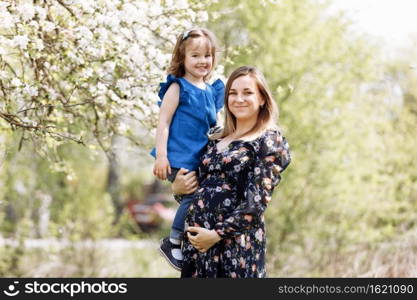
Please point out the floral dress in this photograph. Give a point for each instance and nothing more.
(235, 186)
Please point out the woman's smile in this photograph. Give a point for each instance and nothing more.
(244, 99)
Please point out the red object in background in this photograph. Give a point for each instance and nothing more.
(150, 215)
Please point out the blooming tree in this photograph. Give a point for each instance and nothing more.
(75, 69)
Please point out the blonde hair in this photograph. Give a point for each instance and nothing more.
(176, 66)
(268, 112)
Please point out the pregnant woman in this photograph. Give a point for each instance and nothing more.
(239, 170)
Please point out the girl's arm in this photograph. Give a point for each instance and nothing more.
(168, 107)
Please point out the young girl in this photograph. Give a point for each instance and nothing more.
(188, 110)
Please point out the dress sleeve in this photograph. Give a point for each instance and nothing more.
(163, 87)
(218, 87)
(272, 158)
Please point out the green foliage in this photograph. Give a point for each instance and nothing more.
(343, 185)
(72, 193)
(348, 194)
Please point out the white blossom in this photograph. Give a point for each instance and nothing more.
(3, 74)
(181, 4)
(53, 95)
(38, 44)
(16, 82)
(131, 14)
(31, 90)
(111, 21)
(41, 12)
(26, 11)
(123, 85)
(48, 26)
(123, 127)
(106, 50)
(34, 24)
(20, 41)
(92, 89)
(102, 89)
(202, 16)
(102, 34)
(7, 20)
(88, 72)
(136, 54)
(3, 7)
(155, 10)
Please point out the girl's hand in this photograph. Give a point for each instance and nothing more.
(204, 239)
(184, 183)
(161, 168)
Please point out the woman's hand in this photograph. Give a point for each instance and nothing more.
(184, 183)
(161, 168)
(204, 239)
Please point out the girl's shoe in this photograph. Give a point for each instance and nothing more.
(165, 249)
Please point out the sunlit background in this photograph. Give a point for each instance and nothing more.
(78, 110)
(392, 22)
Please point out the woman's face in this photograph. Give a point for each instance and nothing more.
(244, 98)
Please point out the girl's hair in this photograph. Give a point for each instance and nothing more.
(176, 67)
(268, 112)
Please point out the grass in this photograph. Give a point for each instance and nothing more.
(94, 260)
(141, 259)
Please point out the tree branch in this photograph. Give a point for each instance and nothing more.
(66, 7)
(50, 105)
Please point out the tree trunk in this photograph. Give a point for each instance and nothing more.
(113, 180)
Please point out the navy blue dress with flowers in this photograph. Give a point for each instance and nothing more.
(235, 186)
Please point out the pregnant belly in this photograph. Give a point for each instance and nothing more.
(214, 201)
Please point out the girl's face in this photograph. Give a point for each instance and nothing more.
(198, 59)
(244, 98)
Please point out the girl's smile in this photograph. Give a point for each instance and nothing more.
(198, 60)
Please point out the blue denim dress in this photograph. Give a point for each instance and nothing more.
(195, 115)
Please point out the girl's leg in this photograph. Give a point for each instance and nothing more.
(171, 246)
(177, 229)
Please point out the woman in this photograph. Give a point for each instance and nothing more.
(239, 170)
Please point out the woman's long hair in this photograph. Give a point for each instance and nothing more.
(268, 112)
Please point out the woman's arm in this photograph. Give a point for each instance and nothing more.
(168, 107)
